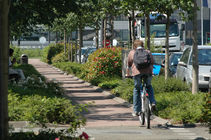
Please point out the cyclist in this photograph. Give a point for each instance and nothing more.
(137, 76)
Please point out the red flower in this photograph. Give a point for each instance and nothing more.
(84, 135)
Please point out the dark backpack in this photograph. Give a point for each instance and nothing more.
(142, 59)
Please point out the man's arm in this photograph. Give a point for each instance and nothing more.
(129, 64)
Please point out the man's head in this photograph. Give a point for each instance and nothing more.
(138, 43)
(11, 52)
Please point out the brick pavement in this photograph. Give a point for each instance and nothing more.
(106, 110)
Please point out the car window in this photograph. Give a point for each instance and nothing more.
(204, 57)
(158, 59)
(185, 56)
(174, 59)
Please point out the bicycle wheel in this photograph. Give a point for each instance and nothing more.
(147, 113)
(141, 118)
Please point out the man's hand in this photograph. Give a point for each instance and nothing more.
(13, 60)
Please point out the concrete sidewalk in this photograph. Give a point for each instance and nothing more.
(106, 110)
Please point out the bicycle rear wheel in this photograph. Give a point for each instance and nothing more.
(147, 114)
(141, 118)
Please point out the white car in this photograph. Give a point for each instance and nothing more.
(184, 67)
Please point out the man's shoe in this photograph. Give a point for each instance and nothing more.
(134, 114)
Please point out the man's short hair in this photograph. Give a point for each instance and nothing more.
(138, 43)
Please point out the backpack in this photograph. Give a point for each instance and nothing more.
(141, 59)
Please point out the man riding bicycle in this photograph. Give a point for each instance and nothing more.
(137, 76)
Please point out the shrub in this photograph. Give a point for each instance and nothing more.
(206, 112)
(40, 101)
(17, 53)
(125, 90)
(41, 110)
(50, 51)
(105, 62)
(71, 68)
(109, 83)
(61, 57)
(183, 107)
(171, 85)
(28, 70)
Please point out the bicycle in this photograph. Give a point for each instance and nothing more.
(145, 114)
(146, 106)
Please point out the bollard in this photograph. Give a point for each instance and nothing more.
(24, 59)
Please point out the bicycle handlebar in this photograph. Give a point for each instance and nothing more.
(128, 76)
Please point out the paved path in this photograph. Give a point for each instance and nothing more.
(106, 109)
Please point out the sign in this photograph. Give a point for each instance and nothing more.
(42, 40)
(107, 43)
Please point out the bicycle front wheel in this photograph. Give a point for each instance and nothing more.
(147, 113)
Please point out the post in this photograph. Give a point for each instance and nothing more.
(202, 22)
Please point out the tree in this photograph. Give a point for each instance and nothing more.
(195, 65)
(129, 7)
(24, 15)
(167, 7)
(4, 45)
(110, 9)
(190, 8)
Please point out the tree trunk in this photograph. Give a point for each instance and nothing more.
(133, 28)
(112, 30)
(69, 51)
(147, 25)
(195, 52)
(167, 48)
(97, 37)
(49, 36)
(80, 35)
(76, 46)
(104, 32)
(56, 38)
(4, 45)
(101, 33)
(130, 32)
(65, 42)
(71, 44)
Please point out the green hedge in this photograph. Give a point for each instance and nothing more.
(40, 101)
(182, 107)
(50, 51)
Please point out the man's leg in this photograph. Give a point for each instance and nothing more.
(20, 72)
(136, 94)
(150, 90)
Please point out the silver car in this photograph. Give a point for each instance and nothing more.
(184, 67)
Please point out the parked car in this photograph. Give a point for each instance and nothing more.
(158, 59)
(84, 50)
(184, 67)
(173, 62)
(87, 53)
